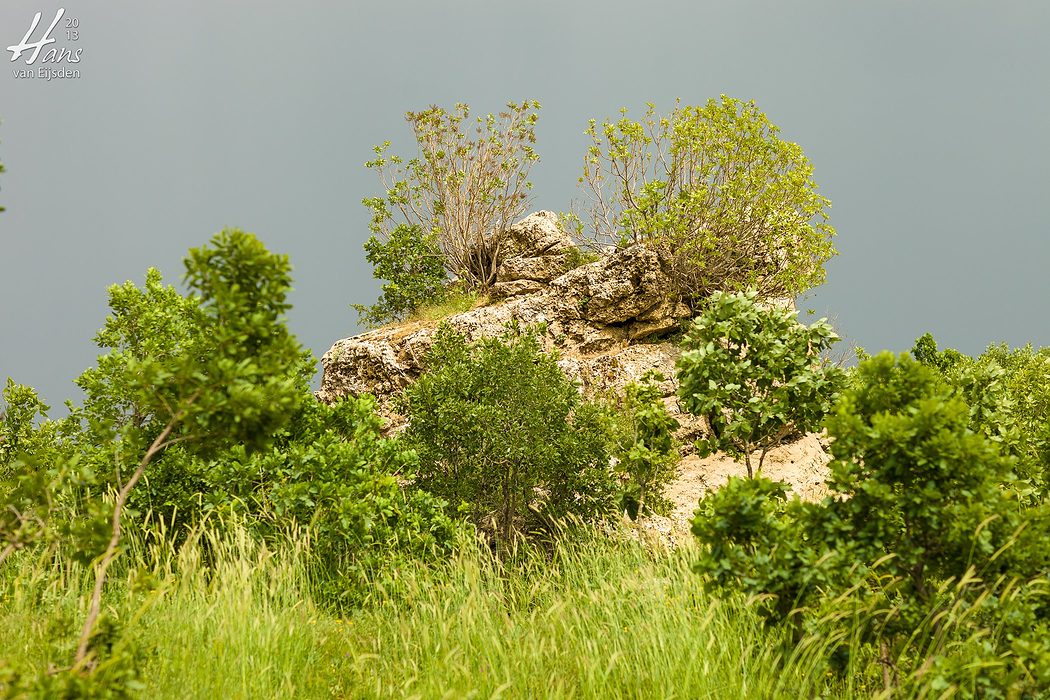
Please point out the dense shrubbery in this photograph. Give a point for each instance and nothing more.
(935, 565)
(200, 410)
(504, 437)
(1008, 391)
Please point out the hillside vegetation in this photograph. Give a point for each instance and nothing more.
(203, 526)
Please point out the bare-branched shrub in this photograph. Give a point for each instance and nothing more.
(464, 189)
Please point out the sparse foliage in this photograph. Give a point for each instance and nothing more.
(451, 204)
(717, 192)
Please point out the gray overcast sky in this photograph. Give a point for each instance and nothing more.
(927, 123)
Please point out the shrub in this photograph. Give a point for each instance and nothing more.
(411, 262)
(333, 475)
(503, 435)
(449, 207)
(916, 546)
(1009, 400)
(717, 192)
(757, 375)
(644, 447)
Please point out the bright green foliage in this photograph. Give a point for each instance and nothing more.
(450, 205)
(215, 369)
(917, 539)
(502, 433)
(411, 262)
(756, 373)
(717, 192)
(333, 474)
(45, 487)
(1008, 391)
(18, 429)
(644, 446)
(220, 362)
(925, 351)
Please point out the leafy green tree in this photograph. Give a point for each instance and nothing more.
(502, 433)
(644, 446)
(756, 373)
(727, 202)
(452, 204)
(202, 372)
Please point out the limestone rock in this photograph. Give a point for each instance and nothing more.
(603, 318)
(595, 313)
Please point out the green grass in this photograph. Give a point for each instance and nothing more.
(224, 616)
(455, 302)
(602, 619)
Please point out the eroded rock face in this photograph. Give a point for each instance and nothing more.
(592, 314)
(537, 250)
(604, 318)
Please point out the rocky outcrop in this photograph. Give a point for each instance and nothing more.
(594, 315)
(536, 251)
(605, 318)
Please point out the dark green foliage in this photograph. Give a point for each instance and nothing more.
(332, 474)
(644, 447)
(414, 269)
(757, 544)
(917, 536)
(503, 435)
(756, 374)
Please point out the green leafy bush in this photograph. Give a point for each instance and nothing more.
(716, 191)
(449, 208)
(331, 474)
(503, 435)
(1009, 398)
(643, 447)
(414, 269)
(757, 375)
(917, 543)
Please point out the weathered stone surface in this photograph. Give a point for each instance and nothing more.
(594, 315)
(536, 235)
(599, 316)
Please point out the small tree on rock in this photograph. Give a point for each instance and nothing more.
(756, 374)
(449, 208)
